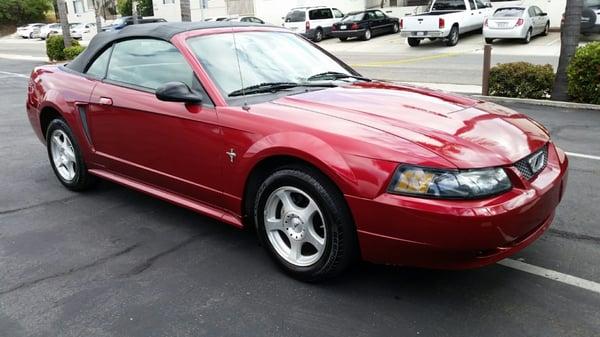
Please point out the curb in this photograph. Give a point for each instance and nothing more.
(539, 102)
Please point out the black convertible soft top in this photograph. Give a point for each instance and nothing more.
(161, 30)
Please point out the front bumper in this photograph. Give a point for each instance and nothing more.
(348, 33)
(459, 234)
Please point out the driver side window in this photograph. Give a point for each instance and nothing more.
(148, 64)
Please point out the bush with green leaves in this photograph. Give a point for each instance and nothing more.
(73, 51)
(55, 48)
(521, 80)
(583, 74)
(23, 11)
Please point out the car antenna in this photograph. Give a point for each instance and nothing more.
(237, 57)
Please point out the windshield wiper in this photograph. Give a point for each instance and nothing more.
(334, 75)
(273, 87)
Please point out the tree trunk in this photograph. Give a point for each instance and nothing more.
(186, 13)
(569, 36)
(96, 4)
(134, 11)
(64, 22)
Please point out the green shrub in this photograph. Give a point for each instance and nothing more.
(55, 47)
(73, 51)
(521, 80)
(583, 74)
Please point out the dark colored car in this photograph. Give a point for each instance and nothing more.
(128, 20)
(590, 17)
(364, 25)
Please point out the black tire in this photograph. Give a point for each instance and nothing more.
(489, 41)
(413, 42)
(82, 179)
(432, 39)
(546, 29)
(395, 28)
(318, 35)
(343, 39)
(31, 35)
(341, 244)
(528, 36)
(453, 37)
(367, 35)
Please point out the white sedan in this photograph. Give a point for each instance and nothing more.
(30, 31)
(516, 23)
(79, 29)
(48, 30)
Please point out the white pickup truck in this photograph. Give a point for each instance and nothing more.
(445, 19)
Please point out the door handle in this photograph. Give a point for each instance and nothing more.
(105, 101)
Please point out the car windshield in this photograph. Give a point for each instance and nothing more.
(353, 17)
(509, 13)
(295, 16)
(119, 21)
(264, 58)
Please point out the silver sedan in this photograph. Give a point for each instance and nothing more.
(516, 23)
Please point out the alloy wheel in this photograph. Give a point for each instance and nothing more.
(63, 155)
(295, 226)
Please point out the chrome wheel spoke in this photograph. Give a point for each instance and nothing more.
(273, 224)
(286, 200)
(295, 250)
(307, 212)
(63, 155)
(314, 239)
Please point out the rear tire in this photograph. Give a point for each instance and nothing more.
(367, 35)
(527, 38)
(489, 41)
(413, 42)
(395, 28)
(310, 233)
(546, 29)
(343, 39)
(453, 37)
(318, 35)
(66, 158)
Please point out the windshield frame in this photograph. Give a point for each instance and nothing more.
(222, 99)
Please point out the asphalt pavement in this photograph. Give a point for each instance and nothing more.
(115, 262)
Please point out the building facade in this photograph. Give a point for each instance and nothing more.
(83, 10)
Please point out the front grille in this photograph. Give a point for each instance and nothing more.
(524, 166)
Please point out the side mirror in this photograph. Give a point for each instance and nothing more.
(543, 14)
(177, 92)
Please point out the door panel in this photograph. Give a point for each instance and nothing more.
(168, 144)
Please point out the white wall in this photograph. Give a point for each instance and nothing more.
(172, 13)
(273, 10)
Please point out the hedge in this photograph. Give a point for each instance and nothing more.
(521, 80)
(583, 74)
(56, 51)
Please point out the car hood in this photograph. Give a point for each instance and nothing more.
(466, 132)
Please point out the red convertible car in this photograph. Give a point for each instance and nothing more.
(257, 127)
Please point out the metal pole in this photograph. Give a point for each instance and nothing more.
(64, 22)
(134, 12)
(487, 62)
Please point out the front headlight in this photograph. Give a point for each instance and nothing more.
(450, 184)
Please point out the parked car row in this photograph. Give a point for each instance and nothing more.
(319, 22)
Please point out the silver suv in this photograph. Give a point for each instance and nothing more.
(312, 22)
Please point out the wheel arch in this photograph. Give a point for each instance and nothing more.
(47, 114)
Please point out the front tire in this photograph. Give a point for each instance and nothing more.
(304, 223)
(546, 29)
(66, 158)
(489, 41)
(343, 39)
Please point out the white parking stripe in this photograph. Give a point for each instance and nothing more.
(552, 275)
(581, 155)
(13, 74)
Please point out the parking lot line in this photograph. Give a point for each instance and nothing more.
(552, 275)
(12, 74)
(414, 59)
(581, 155)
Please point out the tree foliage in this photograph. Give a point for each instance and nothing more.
(144, 7)
(23, 11)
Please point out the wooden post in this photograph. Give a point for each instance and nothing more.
(487, 61)
(64, 22)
